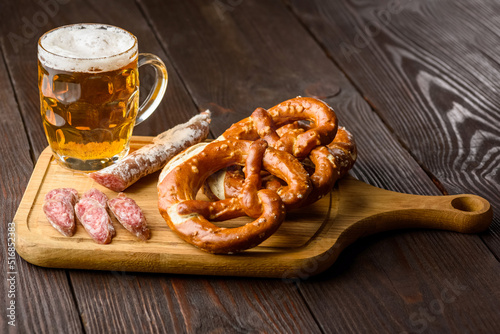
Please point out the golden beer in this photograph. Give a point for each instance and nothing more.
(89, 93)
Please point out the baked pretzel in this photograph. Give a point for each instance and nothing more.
(276, 147)
(326, 164)
(261, 124)
(331, 163)
(189, 218)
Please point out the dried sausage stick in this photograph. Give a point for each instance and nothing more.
(155, 156)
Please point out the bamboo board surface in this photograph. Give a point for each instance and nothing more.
(307, 243)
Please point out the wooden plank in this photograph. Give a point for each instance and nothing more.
(187, 304)
(430, 72)
(256, 54)
(399, 290)
(102, 307)
(35, 296)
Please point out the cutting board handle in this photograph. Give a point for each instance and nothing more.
(378, 210)
(460, 213)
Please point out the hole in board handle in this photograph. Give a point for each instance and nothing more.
(467, 204)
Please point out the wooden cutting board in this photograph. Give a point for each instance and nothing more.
(307, 243)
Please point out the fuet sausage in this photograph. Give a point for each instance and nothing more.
(153, 157)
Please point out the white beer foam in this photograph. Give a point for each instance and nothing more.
(87, 48)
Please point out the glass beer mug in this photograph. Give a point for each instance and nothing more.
(89, 93)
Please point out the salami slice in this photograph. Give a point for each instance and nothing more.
(94, 217)
(58, 209)
(130, 215)
(153, 157)
(62, 193)
(98, 195)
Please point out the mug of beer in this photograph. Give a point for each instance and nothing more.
(89, 92)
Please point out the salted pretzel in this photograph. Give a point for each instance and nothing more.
(285, 157)
(189, 218)
(265, 124)
(301, 126)
(331, 162)
(326, 164)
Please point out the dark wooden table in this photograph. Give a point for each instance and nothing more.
(417, 81)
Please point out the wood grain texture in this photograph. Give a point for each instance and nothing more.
(280, 60)
(430, 71)
(220, 57)
(397, 300)
(38, 294)
(187, 304)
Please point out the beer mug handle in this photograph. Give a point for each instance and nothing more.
(156, 94)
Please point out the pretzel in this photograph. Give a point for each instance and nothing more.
(262, 124)
(189, 218)
(292, 155)
(329, 163)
